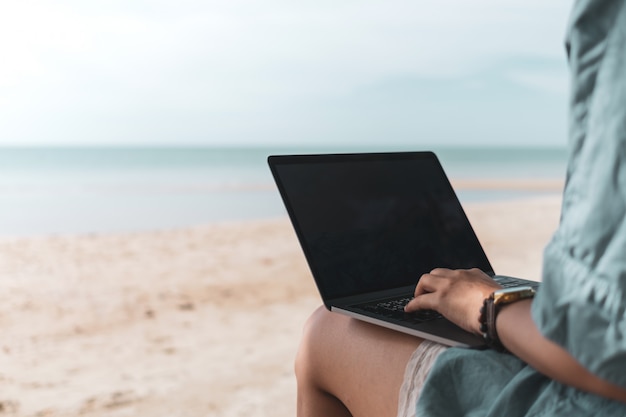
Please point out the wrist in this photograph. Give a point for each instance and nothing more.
(492, 306)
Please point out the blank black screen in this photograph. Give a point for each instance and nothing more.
(369, 222)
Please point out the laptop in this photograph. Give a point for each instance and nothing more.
(370, 224)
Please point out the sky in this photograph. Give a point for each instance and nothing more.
(279, 72)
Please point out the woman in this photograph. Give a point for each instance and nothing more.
(567, 346)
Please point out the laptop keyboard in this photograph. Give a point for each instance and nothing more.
(394, 307)
(509, 282)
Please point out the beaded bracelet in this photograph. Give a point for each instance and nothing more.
(490, 309)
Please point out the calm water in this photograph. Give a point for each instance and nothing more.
(63, 190)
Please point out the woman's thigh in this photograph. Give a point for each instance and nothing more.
(360, 364)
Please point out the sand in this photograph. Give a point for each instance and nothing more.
(203, 321)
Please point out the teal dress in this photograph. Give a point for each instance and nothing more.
(581, 304)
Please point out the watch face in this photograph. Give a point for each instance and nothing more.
(509, 295)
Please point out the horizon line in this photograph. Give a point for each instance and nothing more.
(392, 147)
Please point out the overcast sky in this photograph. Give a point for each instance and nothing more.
(268, 72)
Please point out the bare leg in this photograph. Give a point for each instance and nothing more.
(346, 367)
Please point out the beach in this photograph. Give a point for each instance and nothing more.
(196, 321)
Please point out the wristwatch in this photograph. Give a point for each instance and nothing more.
(491, 307)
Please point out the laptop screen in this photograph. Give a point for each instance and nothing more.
(370, 222)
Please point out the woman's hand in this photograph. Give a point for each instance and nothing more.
(456, 294)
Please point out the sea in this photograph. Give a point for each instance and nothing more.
(71, 190)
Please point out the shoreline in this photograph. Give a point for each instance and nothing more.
(125, 212)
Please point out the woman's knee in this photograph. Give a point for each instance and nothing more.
(318, 338)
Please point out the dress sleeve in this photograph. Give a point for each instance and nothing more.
(581, 304)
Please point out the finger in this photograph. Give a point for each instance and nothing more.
(427, 283)
(426, 301)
